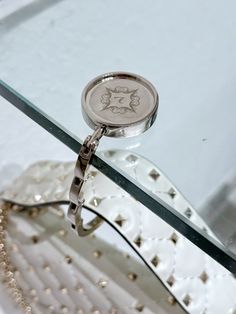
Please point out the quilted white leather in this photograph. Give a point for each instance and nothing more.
(54, 286)
(200, 284)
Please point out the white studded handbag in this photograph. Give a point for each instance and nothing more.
(198, 283)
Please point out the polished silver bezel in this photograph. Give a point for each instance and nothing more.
(119, 130)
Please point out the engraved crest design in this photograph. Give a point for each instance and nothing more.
(120, 100)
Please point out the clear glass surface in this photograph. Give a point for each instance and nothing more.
(48, 53)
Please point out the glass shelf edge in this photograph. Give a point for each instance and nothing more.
(210, 246)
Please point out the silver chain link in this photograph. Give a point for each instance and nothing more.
(7, 274)
(76, 200)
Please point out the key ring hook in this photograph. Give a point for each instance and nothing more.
(116, 104)
(76, 201)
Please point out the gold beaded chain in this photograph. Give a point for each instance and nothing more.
(6, 268)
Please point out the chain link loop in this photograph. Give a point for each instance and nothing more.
(7, 275)
(76, 200)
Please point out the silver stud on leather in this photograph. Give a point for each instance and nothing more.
(187, 300)
(174, 238)
(139, 307)
(154, 175)
(204, 277)
(171, 280)
(97, 254)
(120, 220)
(138, 241)
(155, 261)
(132, 276)
(188, 213)
(172, 193)
(131, 158)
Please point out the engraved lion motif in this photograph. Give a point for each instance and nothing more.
(120, 100)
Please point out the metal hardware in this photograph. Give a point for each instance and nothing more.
(76, 201)
(117, 104)
(125, 103)
(6, 267)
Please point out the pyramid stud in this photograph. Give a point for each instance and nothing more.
(132, 276)
(97, 254)
(172, 193)
(102, 283)
(174, 238)
(171, 280)
(155, 261)
(188, 213)
(139, 307)
(204, 277)
(154, 175)
(187, 300)
(138, 241)
(171, 300)
(95, 201)
(131, 158)
(120, 220)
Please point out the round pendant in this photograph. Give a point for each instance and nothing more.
(125, 104)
